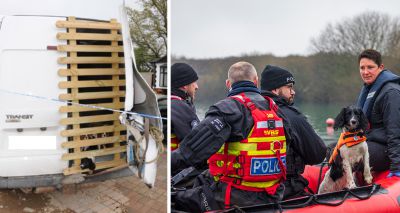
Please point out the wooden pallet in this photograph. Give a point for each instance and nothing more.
(95, 73)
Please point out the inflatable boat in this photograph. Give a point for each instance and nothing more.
(382, 196)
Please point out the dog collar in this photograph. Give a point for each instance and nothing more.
(356, 135)
(351, 139)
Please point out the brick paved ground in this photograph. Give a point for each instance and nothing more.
(125, 195)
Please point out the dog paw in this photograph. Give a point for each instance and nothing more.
(351, 186)
(368, 179)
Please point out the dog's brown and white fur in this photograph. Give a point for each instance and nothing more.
(349, 159)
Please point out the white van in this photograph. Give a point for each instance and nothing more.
(51, 68)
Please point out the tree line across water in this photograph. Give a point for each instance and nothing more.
(320, 78)
(329, 75)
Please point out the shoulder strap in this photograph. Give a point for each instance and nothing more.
(246, 101)
(174, 97)
(272, 105)
(242, 98)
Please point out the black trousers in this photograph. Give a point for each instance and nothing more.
(378, 156)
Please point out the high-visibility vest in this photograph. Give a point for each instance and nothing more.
(174, 142)
(258, 162)
(174, 139)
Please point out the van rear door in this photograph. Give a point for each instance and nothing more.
(30, 143)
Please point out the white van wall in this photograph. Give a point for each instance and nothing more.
(26, 66)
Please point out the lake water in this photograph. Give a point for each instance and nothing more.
(315, 113)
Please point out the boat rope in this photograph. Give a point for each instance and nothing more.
(348, 192)
(325, 162)
(314, 198)
(374, 187)
(309, 200)
(83, 105)
(239, 210)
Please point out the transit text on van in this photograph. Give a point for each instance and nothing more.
(18, 118)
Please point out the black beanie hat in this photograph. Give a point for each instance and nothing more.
(182, 74)
(274, 77)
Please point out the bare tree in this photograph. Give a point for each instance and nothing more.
(394, 40)
(367, 30)
(149, 31)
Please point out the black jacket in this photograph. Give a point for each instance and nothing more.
(307, 148)
(183, 115)
(385, 123)
(226, 121)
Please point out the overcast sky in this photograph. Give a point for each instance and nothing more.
(219, 28)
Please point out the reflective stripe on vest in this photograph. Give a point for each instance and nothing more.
(174, 142)
(256, 163)
(174, 139)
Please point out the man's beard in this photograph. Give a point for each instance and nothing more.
(191, 96)
(289, 100)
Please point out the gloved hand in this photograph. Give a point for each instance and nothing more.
(391, 174)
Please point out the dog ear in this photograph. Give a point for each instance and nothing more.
(363, 120)
(339, 120)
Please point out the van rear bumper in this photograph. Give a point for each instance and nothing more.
(57, 180)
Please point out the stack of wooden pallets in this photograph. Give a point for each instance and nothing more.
(95, 76)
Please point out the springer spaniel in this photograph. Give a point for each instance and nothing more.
(350, 154)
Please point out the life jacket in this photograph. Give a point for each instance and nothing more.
(367, 97)
(256, 163)
(174, 139)
(349, 139)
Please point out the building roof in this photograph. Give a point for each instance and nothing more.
(160, 60)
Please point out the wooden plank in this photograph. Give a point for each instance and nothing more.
(100, 165)
(93, 153)
(93, 142)
(88, 36)
(91, 130)
(89, 48)
(90, 72)
(74, 91)
(74, 108)
(89, 119)
(88, 25)
(91, 95)
(95, 83)
(115, 88)
(90, 60)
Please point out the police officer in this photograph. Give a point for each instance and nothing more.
(306, 147)
(244, 140)
(183, 91)
(380, 100)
